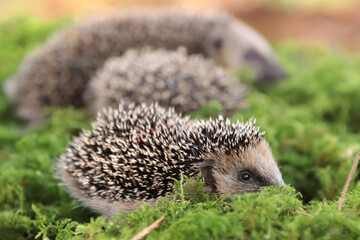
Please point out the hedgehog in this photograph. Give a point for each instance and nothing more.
(171, 78)
(56, 73)
(134, 152)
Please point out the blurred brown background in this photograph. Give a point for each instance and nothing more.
(335, 23)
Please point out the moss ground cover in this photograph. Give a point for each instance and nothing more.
(312, 121)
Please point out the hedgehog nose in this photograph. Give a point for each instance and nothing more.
(281, 74)
(281, 182)
(272, 73)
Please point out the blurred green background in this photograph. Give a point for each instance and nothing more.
(311, 119)
(331, 22)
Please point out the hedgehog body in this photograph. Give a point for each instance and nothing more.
(133, 153)
(171, 78)
(56, 74)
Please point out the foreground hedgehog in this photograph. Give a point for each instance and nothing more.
(56, 74)
(133, 153)
(171, 78)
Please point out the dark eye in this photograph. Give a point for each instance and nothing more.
(217, 43)
(245, 176)
(250, 55)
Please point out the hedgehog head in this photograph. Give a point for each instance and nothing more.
(236, 157)
(237, 46)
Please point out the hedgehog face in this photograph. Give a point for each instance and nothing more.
(237, 47)
(238, 174)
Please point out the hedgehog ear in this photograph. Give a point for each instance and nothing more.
(216, 42)
(213, 45)
(208, 175)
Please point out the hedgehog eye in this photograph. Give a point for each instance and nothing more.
(250, 55)
(217, 43)
(245, 176)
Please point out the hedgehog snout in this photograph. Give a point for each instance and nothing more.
(270, 72)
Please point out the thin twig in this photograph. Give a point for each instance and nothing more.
(303, 213)
(148, 229)
(290, 209)
(319, 209)
(346, 187)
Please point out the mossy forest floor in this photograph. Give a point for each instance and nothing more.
(312, 121)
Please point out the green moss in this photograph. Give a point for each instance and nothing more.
(312, 121)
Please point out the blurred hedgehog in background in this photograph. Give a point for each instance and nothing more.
(171, 78)
(133, 153)
(56, 74)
